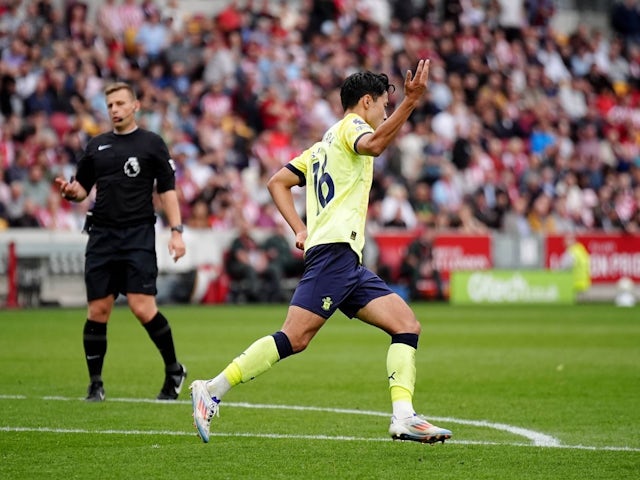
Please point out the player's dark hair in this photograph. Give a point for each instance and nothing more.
(114, 87)
(356, 85)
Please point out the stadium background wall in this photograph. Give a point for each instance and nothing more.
(49, 264)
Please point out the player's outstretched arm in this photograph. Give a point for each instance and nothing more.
(415, 87)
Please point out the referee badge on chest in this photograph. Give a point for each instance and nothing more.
(132, 167)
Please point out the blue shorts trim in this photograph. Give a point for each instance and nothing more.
(334, 279)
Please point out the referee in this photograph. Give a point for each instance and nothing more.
(120, 255)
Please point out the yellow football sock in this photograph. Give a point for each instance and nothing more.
(257, 359)
(401, 370)
(400, 394)
(233, 374)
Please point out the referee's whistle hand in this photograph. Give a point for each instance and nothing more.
(68, 190)
(176, 248)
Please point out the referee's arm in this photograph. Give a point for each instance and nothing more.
(71, 190)
(171, 209)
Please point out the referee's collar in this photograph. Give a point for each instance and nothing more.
(126, 133)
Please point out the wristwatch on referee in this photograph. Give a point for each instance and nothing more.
(178, 228)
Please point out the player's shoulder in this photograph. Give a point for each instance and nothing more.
(351, 126)
(356, 122)
(317, 149)
(149, 142)
(148, 135)
(100, 138)
(313, 153)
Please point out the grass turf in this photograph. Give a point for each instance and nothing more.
(529, 392)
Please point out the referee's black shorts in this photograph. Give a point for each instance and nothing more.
(120, 260)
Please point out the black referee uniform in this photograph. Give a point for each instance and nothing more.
(121, 252)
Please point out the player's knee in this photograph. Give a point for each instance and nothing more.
(99, 310)
(144, 311)
(409, 324)
(299, 343)
(97, 314)
(415, 327)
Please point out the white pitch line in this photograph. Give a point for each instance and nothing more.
(193, 434)
(289, 436)
(537, 439)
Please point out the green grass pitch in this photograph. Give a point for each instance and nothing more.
(529, 393)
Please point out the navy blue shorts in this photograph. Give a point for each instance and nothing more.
(120, 260)
(334, 279)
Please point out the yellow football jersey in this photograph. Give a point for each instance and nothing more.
(338, 181)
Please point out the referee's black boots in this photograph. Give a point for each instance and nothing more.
(173, 384)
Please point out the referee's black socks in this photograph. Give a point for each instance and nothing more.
(94, 339)
(159, 331)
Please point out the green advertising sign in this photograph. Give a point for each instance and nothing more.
(511, 286)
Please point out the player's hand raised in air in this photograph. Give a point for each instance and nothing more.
(416, 85)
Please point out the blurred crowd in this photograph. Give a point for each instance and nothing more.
(525, 129)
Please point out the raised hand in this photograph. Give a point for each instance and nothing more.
(416, 85)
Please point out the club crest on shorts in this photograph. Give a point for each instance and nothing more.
(326, 303)
(132, 167)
